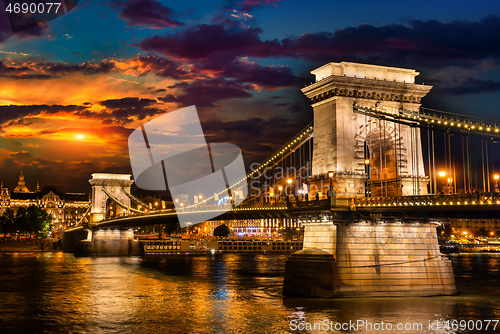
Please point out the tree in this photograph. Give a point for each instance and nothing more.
(7, 222)
(32, 220)
(447, 231)
(221, 231)
(20, 221)
(37, 220)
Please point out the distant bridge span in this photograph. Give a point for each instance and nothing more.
(425, 208)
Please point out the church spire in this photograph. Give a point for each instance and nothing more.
(21, 186)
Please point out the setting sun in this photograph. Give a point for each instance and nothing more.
(79, 136)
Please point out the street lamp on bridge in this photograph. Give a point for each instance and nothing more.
(450, 186)
(289, 189)
(496, 177)
(368, 174)
(442, 174)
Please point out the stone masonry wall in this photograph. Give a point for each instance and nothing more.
(392, 259)
(321, 236)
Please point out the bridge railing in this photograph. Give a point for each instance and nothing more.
(452, 199)
(207, 208)
(439, 119)
(312, 204)
(457, 118)
(228, 207)
(262, 206)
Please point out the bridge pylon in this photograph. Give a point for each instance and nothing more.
(351, 149)
(347, 254)
(113, 183)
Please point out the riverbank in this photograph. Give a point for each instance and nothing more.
(29, 246)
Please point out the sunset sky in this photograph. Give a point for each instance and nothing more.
(72, 90)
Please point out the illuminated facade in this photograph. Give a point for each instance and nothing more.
(66, 209)
(474, 226)
(250, 227)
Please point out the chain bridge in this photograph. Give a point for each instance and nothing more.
(369, 179)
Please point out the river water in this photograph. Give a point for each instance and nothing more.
(221, 293)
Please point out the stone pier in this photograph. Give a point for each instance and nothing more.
(370, 259)
(112, 242)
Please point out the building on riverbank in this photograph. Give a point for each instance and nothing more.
(65, 209)
(475, 227)
(252, 227)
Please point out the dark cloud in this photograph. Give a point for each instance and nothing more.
(267, 77)
(217, 48)
(430, 44)
(159, 66)
(206, 93)
(15, 111)
(127, 102)
(45, 70)
(201, 41)
(117, 112)
(48, 70)
(19, 72)
(39, 28)
(147, 13)
(20, 122)
(87, 68)
(471, 86)
(126, 109)
(249, 5)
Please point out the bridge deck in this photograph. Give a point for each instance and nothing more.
(427, 207)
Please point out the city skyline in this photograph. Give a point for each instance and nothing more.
(72, 95)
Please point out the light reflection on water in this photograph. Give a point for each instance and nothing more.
(229, 293)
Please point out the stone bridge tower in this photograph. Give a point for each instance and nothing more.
(113, 184)
(354, 150)
(348, 255)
